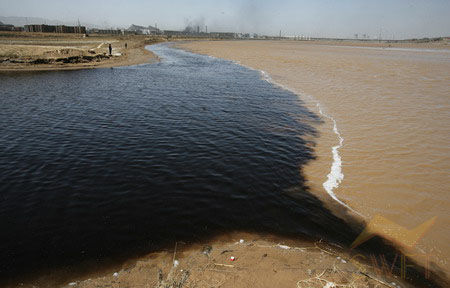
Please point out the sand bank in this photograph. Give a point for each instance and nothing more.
(41, 52)
(258, 261)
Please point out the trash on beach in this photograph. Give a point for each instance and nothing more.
(207, 250)
(283, 246)
(232, 258)
(224, 265)
(176, 263)
(241, 241)
(116, 274)
(329, 285)
(72, 283)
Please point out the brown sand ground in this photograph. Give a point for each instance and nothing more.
(390, 102)
(19, 51)
(260, 261)
(439, 45)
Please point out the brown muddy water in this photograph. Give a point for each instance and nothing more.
(384, 148)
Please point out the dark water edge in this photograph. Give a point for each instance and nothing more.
(98, 166)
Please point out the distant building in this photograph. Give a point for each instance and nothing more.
(243, 35)
(106, 31)
(153, 30)
(40, 28)
(223, 35)
(70, 29)
(150, 30)
(190, 33)
(6, 27)
(55, 29)
(185, 34)
(174, 33)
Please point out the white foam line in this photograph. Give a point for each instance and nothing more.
(335, 177)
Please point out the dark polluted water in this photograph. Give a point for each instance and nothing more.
(109, 163)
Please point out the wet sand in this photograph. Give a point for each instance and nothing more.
(391, 107)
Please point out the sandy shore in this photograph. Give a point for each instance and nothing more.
(42, 52)
(257, 263)
(237, 259)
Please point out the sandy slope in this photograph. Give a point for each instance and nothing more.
(20, 52)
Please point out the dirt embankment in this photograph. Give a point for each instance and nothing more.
(237, 260)
(45, 51)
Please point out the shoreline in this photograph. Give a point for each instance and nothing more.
(335, 175)
(137, 54)
(259, 260)
(312, 103)
(243, 259)
(66, 53)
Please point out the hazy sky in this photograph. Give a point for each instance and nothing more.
(327, 18)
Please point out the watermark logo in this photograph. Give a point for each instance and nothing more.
(397, 234)
(400, 236)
